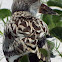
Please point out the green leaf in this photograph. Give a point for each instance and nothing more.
(54, 3)
(58, 11)
(4, 13)
(57, 32)
(24, 59)
(56, 19)
(40, 61)
(44, 52)
(1, 33)
(49, 21)
(56, 0)
(51, 45)
(59, 24)
(57, 46)
(46, 19)
(52, 21)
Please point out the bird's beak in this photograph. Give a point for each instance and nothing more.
(44, 9)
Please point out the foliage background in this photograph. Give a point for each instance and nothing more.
(54, 22)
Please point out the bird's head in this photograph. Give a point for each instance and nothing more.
(33, 6)
(26, 5)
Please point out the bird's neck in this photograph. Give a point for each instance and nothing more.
(35, 13)
(20, 5)
(34, 10)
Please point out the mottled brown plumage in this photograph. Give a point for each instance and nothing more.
(25, 33)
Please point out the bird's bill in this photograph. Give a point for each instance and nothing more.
(44, 9)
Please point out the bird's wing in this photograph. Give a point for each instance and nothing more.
(25, 31)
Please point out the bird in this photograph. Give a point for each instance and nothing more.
(25, 32)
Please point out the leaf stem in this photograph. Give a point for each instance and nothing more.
(3, 21)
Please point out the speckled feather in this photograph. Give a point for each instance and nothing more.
(23, 33)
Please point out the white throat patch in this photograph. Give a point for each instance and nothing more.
(34, 9)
